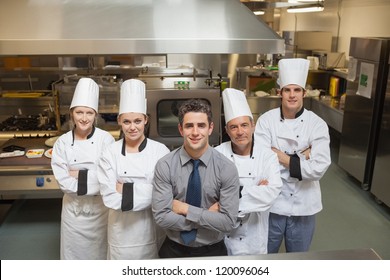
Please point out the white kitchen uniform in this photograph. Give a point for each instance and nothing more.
(83, 217)
(251, 233)
(298, 197)
(132, 234)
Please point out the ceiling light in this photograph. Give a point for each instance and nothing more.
(306, 9)
(258, 13)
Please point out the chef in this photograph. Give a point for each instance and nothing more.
(259, 174)
(74, 163)
(126, 171)
(301, 141)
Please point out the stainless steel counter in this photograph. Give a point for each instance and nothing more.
(329, 110)
(22, 177)
(350, 254)
(260, 105)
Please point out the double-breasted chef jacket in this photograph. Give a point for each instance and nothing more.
(301, 194)
(84, 216)
(132, 231)
(250, 235)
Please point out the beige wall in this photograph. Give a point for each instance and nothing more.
(353, 18)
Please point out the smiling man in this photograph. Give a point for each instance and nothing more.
(195, 194)
(301, 141)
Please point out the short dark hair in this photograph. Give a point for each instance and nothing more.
(197, 106)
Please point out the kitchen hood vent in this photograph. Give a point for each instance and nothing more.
(71, 27)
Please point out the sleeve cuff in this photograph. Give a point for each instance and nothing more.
(194, 214)
(127, 197)
(82, 182)
(295, 167)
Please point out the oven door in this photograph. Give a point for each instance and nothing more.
(163, 107)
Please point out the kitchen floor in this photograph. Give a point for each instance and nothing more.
(351, 219)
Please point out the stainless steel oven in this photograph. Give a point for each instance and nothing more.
(162, 108)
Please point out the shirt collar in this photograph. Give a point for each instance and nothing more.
(205, 158)
(141, 147)
(298, 114)
(253, 143)
(88, 136)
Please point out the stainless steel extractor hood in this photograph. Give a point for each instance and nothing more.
(70, 27)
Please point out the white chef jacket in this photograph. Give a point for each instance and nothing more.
(298, 197)
(132, 234)
(250, 236)
(83, 217)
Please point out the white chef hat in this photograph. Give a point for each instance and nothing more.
(235, 104)
(132, 97)
(293, 71)
(86, 94)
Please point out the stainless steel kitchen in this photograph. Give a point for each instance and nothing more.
(195, 49)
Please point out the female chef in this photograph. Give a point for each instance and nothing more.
(74, 163)
(126, 171)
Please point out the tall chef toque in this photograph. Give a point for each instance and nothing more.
(132, 97)
(235, 104)
(293, 71)
(86, 94)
